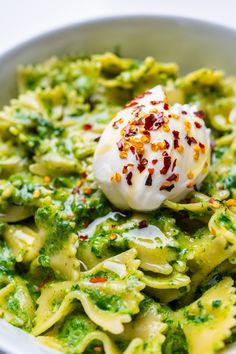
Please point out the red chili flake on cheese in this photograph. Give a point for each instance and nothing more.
(120, 145)
(142, 224)
(197, 125)
(166, 106)
(142, 165)
(83, 237)
(166, 187)
(149, 121)
(87, 126)
(202, 146)
(176, 143)
(151, 171)
(190, 140)
(184, 112)
(141, 168)
(129, 178)
(175, 134)
(173, 177)
(115, 125)
(131, 104)
(167, 144)
(83, 174)
(144, 161)
(125, 168)
(167, 163)
(98, 280)
(200, 114)
(144, 94)
(174, 165)
(132, 149)
(148, 180)
(154, 161)
(155, 102)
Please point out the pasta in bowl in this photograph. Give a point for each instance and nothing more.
(84, 276)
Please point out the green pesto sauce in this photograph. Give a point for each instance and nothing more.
(47, 144)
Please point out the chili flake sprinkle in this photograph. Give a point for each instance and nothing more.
(87, 126)
(145, 131)
(98, 280)
(129, 178)
(142, 224)
(173, 177)
(148, 180)
(167, 187)
(200, 114)
(167, 164)
(197, 125)
(83, 237)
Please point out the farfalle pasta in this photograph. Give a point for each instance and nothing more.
(84, 276)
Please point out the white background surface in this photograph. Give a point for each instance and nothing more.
(23, 19)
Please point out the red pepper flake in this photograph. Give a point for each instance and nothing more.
(202, 146)
(141, 168)
(44, 282)
(148, 180)
(165, 153)
(115, 125)
(83, 174)
(154, 161)
(138, 121)
(190, 140)
(175, 134)
(166, 187)
(125, 168)
(197, 125)
(176, 143)
(184, 112)
(98, 280)
(120, 145)
(142, 224)
(87, 126)
(166, 106)
(149, 121)
(167, 163)
(200, 114)
(151, 171)
(167, 144)
(75, 190)
(144, 161)
(174, 165)
(155, 102)
(129, 178)
(142, 165)
(83, 237)
(131, 104)
(154, 122)
(132, 149)
(144, 94)
(173, 177)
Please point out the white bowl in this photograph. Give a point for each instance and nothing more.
(190, 43)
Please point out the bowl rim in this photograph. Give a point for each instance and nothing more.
(8, 53)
